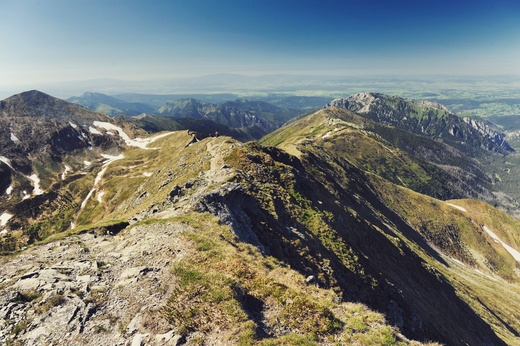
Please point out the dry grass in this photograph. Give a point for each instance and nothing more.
(225, 284)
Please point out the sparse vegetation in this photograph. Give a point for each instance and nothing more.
(255, 299)
(329, 247)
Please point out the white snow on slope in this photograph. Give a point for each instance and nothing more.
(512, 251)
(94, 131)
(515, 253)
(6, 161)
(4, 218)
(74, 126)
(36, 181)
(136, 142)
(87, 163)
(328, 134)
(109, 160)
(9, 190)
(14, 138)
(37, 191)
(458, 207)
(64, 174)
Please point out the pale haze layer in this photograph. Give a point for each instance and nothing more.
(63, 40)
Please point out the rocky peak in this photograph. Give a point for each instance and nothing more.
(490, 131)
(31, 103)
(426, 118)
(36, 132)
(365, 102)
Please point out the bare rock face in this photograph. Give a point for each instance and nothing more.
(427, 119)
(236, 114)
(92, 289)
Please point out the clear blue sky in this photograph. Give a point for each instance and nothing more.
(60, 40)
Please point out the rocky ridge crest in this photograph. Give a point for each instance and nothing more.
(428, 119)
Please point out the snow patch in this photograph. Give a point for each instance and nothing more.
(136, 142)
(74, 126)
(87, 163)
(456, 261)
(513, 252)
(457, 207)
(99, 176)
(147, 174)
(328, 134)
(6, 161)
(100, 196)
(111, 158)
(3, 232)
(14, 138)
(9, 190)
(484, 274)
(94, 131)
(4, 218)
(64, 174)
(37, 191)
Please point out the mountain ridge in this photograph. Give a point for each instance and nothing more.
(428, 119)
(110, 105)
(304, 237)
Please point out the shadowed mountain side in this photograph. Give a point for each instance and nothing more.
(236, 114)
(360, 254)
(430, 120)
(153, 123)
(39, 132)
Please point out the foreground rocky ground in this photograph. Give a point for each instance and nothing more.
(91, 289)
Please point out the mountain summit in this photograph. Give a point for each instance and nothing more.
(428, 119)
(43, 139)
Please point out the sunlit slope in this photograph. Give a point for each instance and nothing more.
(349, 137)
(480, 244)
(316, 214)
(474, 261)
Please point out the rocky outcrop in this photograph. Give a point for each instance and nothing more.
(235, 114)
(490, 131)
(93, 288)
(427, 119)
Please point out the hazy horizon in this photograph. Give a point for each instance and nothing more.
(61, 41)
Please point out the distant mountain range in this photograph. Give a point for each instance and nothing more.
(253, 119)
(361, 223)
(236, 114)
(110, 105)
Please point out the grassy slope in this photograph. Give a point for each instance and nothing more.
(246, 277)
(227, 284)
(488, 276)
(457, 234)
(347, 136)
(224, 283)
